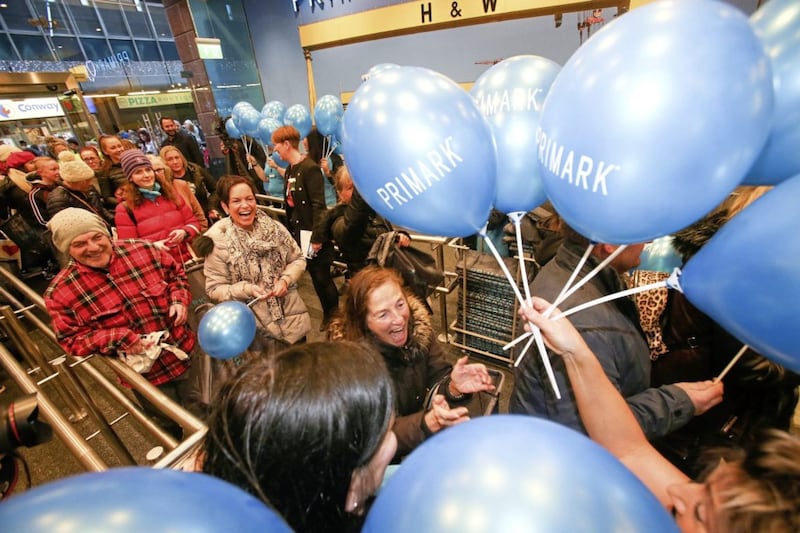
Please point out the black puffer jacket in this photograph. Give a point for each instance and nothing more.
(354, 227)
(63, 197)
(415, 369)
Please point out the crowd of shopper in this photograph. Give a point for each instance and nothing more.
(309, 428)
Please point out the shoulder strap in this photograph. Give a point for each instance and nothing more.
(130, 211)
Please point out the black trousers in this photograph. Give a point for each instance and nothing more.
(319, 269)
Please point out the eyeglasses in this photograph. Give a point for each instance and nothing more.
(159, 170)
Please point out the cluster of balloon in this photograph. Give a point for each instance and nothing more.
(660, 256)
(655, 119)
(299, 117)
(777, 24)
(132, 500)
(510, 95)
(227, 330)
(328, 114)
(247, 120)
(420, 151)
(746, 276)
(514, 473)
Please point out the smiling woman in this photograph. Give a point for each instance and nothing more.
(378, 312)
(152, 210)
(255, 257)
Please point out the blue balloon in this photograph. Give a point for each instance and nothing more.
(777, 23)
(132, 500)
(238, 108)
(266, 126)
(660, 256)
(514, 473)
(746, 277)
(248, 121)
(299, 117)
(655, 119)
(233, 131)
(278, 161)
(227, 329)
(328, 114)
(338, 137)
(274, 109)
(511, 94)
(420, 152)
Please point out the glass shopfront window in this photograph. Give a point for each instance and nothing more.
(148, 50)
(7, 52)
(224, 19)
(95, 48)
(85, 18)
(49, 16)
(33, 47)
(67, 49)
(138, 23)
(16, 16)
(123, 45)
(112, 18)
(169, 50)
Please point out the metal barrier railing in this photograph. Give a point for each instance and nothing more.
(74, 376)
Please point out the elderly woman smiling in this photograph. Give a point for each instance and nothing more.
(256, 257)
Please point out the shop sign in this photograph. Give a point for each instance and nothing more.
(29, 108)
(111, 63)
(154, 100)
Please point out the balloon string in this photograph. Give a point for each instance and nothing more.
(537, 333)
(567, 293)
(736, 358)
(516, 218)
(331, 146)
(247, 145)
(610, 297)
(571, 279)
(586, 279)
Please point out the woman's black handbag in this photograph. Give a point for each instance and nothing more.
(418, 268)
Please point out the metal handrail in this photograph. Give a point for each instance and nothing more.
(179, 452)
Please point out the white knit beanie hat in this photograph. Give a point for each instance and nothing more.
(72, 168)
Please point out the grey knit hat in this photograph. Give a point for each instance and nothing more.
(71, 222)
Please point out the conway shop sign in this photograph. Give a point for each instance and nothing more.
(30, 108)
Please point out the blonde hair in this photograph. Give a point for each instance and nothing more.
(342, 178)
(740, 198)
(762, 485)
(164, 150)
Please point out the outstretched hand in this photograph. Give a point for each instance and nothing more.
(441, 415)
(467, 378)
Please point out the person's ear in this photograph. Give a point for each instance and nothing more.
(225, 208)
(355, 500)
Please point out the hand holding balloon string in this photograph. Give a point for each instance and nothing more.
(568, 291)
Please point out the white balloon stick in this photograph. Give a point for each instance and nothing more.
(536, 332)
(736, 358)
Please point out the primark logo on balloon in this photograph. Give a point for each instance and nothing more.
(519, 99)
(420, 176)
(577, 169)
